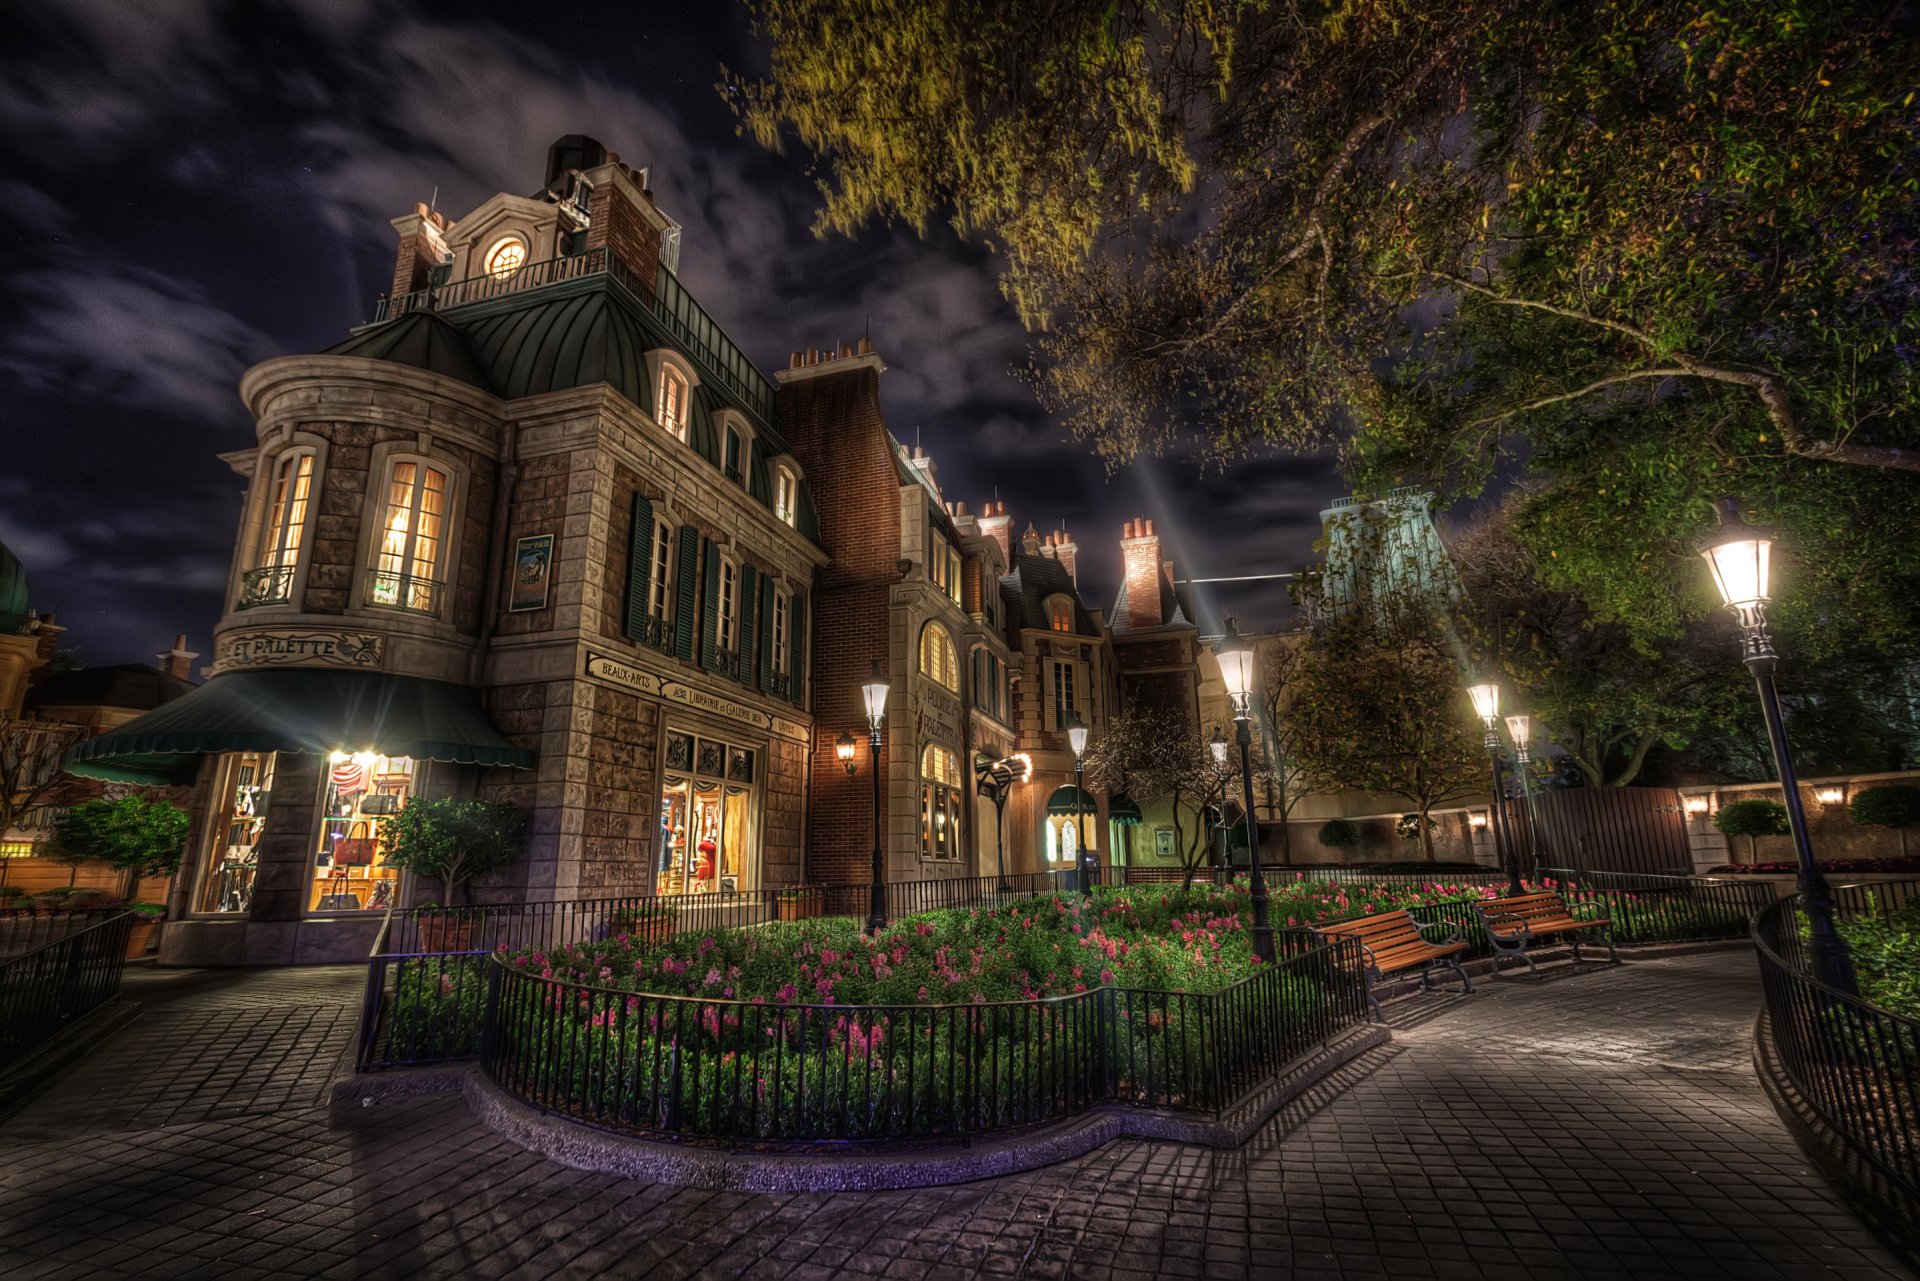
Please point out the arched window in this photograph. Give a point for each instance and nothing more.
(506, 256)
(289, 503)
(786, 493)
(938, 659)
(406, 568)
(1060, 613)
(939, 803)
(672, 404)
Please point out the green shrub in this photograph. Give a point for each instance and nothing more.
(453, 839)
(1895, 805)
(1339, 834)
(1752, 819)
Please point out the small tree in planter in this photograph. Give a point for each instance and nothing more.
(1895, 805)
(140, 836)
(452, 840)
(1752, 819)
(1339, 834)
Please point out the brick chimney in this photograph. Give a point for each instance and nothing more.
(1140, 558)
(997, 525)
(1064, 550)
(423, 247)
(178, 661)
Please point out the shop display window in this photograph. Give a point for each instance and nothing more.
(707, 809)
(241, 795)
(362, 790)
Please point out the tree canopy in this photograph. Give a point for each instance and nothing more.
(1660, 252)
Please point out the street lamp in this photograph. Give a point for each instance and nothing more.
(1077, 738)
(1739, 557)
(1520, 729)
(1486, 702)
(874, 692)
(996, 780)
(1236, 669)
(843, 748)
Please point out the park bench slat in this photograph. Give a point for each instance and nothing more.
(1512, 924)
(1393, 943)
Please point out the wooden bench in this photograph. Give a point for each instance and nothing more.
(1391, 943)
(1512, 925)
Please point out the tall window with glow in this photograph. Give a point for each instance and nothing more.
(939, 803)
(673, 401)
(938, 660)
(288, 505)
(412, 530)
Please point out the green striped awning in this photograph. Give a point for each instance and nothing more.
(299, 709)
(1122, 810)
(1069, 800)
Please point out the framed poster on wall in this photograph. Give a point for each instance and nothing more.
(532, 571)
(1163, 847)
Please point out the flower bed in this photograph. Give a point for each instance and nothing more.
(1832, 866)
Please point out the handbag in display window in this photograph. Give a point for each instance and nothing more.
(339, 903)
(380, 804)
(354, 851)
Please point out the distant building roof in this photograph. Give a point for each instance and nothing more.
(134, 686)
(13, 592)
(1033, 580)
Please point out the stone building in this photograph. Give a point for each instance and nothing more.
(536, 534)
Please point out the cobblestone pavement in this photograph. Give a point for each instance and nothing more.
(1591, 1123)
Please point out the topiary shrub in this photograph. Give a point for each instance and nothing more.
(453, 839)
(1895, 805)
(1339, 834)
(1752, 819)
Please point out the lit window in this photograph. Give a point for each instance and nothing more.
(287, 517)
(940, 803)
(786, 492)
(508, 255)
(673, 401)
(236, 825)
(660, 580)
(1060, 613)
(938, 661)
(407, 565)
(364, 790)
(729, 600)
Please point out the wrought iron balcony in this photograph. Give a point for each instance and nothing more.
(781, 686)
(391, 590)
(269, 585)
(654, 633)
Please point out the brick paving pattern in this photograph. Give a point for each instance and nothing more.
(1588, 1124)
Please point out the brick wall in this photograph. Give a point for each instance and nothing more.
(1140, 557)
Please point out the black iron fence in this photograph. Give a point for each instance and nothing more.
(25, 930)
(1855, 1064)
(46, 989)
(745, 1071)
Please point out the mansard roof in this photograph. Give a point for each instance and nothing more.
(1033, 580)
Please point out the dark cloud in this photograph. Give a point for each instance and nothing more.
(205, 183)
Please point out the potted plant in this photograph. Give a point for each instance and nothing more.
(146, 919)
(649, 922)
(1752, 819)
(452, 839)
(796, 903)
(139, 835)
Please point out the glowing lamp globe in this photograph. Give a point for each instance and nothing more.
(1521, 727)
(1739, 557)
(1077, 734)
(875, 694)
(1486, 701)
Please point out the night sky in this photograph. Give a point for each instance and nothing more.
(192, 187)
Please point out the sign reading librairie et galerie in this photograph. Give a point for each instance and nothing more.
(629, 676)
(303, 648)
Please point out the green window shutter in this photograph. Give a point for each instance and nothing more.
(748, 599)
(683, 594)
(797, 642)
(639, 566)
(710, 607)
(766, 634)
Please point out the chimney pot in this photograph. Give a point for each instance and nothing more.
(866, 346)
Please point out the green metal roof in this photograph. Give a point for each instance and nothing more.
(13, 592)
(425, 341)
(299, 709)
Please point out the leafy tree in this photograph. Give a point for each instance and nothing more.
(1661, 249)
(1280, 775)
(139, 835)
(453, 839)
(1379, 707)
(1154, 752)
(1895, 805)
(1752, 819)
(1339, 834)
(1602, 697)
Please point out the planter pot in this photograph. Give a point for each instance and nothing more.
(446, 934)
(139, 937)
(653, 930)
(797, 909)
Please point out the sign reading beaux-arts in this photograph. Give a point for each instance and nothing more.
(614, 672)
(305, 648)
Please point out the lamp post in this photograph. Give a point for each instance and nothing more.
(996, 779)
(1520, 729)
(1217, 745)
(874, 692)
(1236, 669)
(1077, 737)
(1739, 556)
(1486, 702)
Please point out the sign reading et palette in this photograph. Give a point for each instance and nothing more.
(628, 676)
(302, 648)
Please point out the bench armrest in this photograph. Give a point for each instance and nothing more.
(1453, 931)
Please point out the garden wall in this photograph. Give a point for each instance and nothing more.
(1834, 835)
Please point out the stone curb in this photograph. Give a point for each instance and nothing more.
(1870, 1193)
(582, 1147)
(367, 1089)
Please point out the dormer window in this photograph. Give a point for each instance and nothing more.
(673, 401)
(736, 455)
(508, 255)
(1059, 613)
(786, 494)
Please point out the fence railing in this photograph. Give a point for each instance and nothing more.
(1855, 1064)
(48, 988)
(743, 1071)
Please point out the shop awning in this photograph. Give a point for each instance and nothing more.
(1070, 799)
(1122, 810)
(299, 709)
